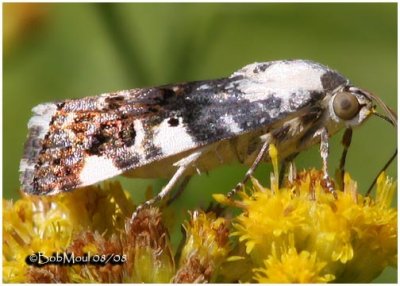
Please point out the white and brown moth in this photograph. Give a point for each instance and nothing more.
(177, 130)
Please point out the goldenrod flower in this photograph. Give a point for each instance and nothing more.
(51, 224)
(205, 249)
(148, 250)
(292, 267)
(301, 233)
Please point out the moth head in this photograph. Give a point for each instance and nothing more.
(351, 106)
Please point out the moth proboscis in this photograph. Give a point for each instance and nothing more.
(177, 130)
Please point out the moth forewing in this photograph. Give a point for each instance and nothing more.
(178, 130)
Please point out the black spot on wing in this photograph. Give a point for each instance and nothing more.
(173, 122)
(331, 80)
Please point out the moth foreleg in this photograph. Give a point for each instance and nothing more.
(324, 151)
(183, 166)
(251, 170)
(346, 141)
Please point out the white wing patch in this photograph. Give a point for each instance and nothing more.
(281, 78)
(172, 139)
(97, 169)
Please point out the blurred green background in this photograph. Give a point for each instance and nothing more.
(59, 51)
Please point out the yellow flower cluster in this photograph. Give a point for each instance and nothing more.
(301, 233)
(205, 249)
(51, 224)
(298, 232)
(97, 220)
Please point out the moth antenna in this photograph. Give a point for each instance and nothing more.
(392, 116)
(383, 169)
(384, 118)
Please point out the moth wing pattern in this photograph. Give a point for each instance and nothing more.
(80, 142)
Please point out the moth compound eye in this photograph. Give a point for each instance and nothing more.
(346, 105)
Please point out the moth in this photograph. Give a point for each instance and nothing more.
(176, 130)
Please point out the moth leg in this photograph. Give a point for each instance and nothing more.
(346, 141)
(183, 165)
(324, 150)
(292, 172)
(251, 170)
(289, 167)
(180, 190)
